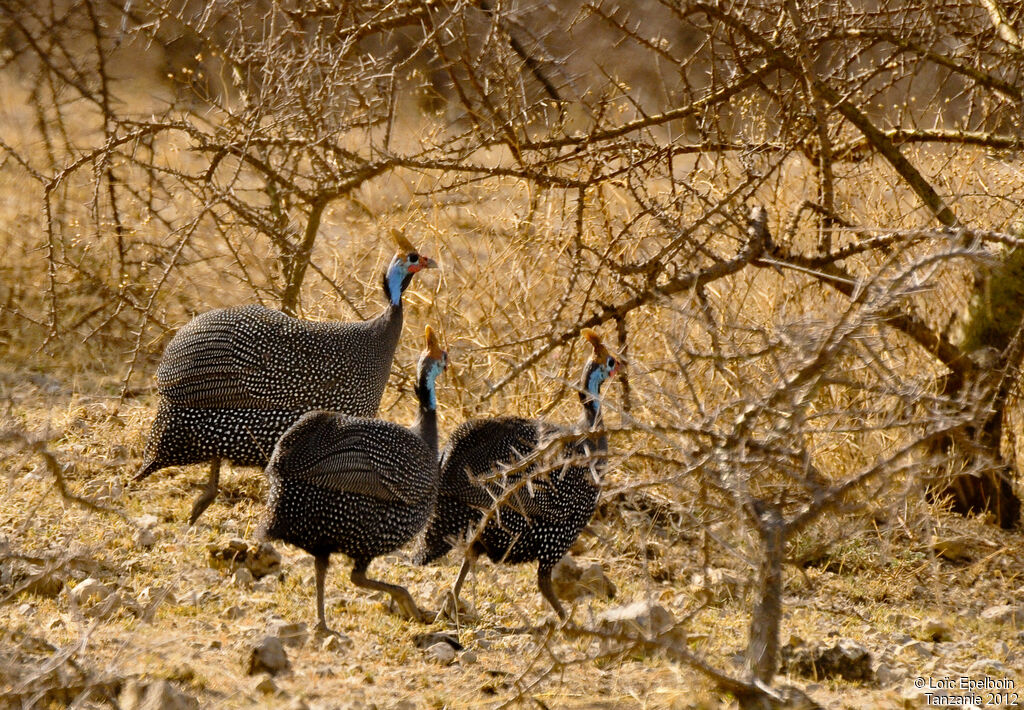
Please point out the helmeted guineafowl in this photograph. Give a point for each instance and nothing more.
(362, 487)
(232, 380)
(539, 521)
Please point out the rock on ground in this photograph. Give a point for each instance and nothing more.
(572, 581)
(268, 656)
(845, 659)
(644, 618)
(260, 559)
(441, 653)
(1004, 614)
(158, 695)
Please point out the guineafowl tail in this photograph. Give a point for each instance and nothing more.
(434, 547)
(452, 521)
(151, 456)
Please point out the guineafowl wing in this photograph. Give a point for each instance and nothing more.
(482, 460)
(255, 357)
(349, 455)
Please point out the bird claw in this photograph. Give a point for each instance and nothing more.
(409, 611)
(457, 610)
(324, 631)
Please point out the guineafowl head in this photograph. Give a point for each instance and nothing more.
(433, 362)
(599, 368)
(407, 262)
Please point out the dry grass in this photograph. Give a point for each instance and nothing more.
(874, 586)
(869, 573)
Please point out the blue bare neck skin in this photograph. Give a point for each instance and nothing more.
(593, 378)
(395, 281)
(590, 397)
(426, 415)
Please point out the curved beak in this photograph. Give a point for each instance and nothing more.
(427, 263)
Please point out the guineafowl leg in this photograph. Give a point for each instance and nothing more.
(320, 563)
(450, 607)
(400, 594)
(208, 494)
(548, 591)
(467, 564)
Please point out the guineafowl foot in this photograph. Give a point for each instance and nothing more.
(406, 607)
(457, 610)
(322, 630)
(208, 494)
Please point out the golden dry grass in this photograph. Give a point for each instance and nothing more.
(871, 576)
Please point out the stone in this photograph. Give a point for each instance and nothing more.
(1004, 614)
(441, 653)
(914, 650)
(846, 659)
(936, 630)
(467, 658)
(242, 578)
(336, 643)
(987, 666)
(147, 521)
(426, 640)
(646, 618)
(889, 676)
(267, 656)
(266, 686)
(157, 695)
(291, 633)
(145, 538)
(89, 590)
(233, 612)
(571, 581)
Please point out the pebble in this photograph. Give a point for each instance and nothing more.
(89, 590)
(290, 633)
(268, 656)
(1004, 614)
(936, 630)
(158, 695)
(242, 578)
(335, 643)
(441, 653)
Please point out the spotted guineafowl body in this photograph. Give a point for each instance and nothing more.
(361, 487)
(486, 459)
(313, 506)
(233, 380)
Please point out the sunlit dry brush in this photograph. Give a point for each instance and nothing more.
(795, 395)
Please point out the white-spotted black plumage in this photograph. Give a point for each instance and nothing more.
(535, 523)
(357, 486)
(232, 380)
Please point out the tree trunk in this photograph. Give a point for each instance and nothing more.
(763, 642)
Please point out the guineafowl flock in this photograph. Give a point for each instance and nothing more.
(260, 388)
